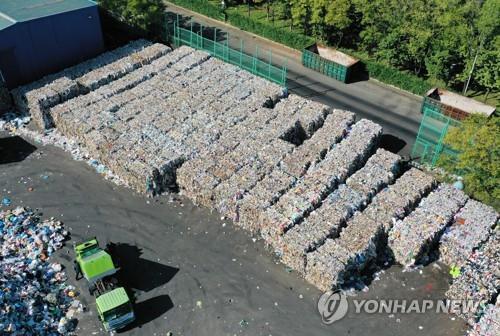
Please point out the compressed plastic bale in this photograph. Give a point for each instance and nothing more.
(39, 101)
(263, 195)
(325, 222)
(269, 221)
(377, 173)
(471, 226)
(322, 269)
(101, 76)
(399, 199)
(332, 131)
(479, 279)
(361, 237)
(411, 239)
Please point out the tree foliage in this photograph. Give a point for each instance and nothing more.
(434, 39)
(478, 143)
(144, 14)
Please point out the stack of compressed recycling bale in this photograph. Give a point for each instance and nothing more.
(322, 223)
(471, 226)
(34, 296)
(479, 279)
(320, 180)
(327, 221)
(333, 264)
(147, 158)
(411, 239)
(268, 156)
(489, 324)
(36, 98)
(273, 186)
(312, 150)
(236, 148)
(104, 75)
(379, 171)
(364, 230)
(244, 179)
(400, 198)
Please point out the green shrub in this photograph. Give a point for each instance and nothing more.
(288, 38)
(201, 6)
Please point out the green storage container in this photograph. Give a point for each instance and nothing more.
(330, 62)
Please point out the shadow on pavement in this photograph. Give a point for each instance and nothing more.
(137, 273)
(359, 73)
(392, 143)
(14, 149)
(149, 310)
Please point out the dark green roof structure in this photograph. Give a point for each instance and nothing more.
(12, 11)
(39, 37)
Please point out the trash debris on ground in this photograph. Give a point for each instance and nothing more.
(34, 296)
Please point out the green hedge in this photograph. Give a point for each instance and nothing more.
(201, 6)
(288, 38)
(390, 75)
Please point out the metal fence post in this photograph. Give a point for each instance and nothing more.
(191, 35)
(241, 53)
(270, 62)
(201, 36)
(215, 41)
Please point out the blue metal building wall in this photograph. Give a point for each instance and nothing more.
(32, 49)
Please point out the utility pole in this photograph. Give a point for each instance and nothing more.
(466, 86)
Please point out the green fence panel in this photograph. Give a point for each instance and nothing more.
(429, 144)
(253, 64)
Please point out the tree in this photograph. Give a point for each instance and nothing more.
(301, 12)
(487, 73)
(477, 142)
(145, 14)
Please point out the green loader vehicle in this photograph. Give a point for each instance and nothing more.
(96, 266)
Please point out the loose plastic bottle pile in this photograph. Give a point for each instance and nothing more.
(301, 174)
(34, 298)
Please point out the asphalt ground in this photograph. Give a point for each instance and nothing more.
(191, 272)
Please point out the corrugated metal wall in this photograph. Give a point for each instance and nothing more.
(32, 49)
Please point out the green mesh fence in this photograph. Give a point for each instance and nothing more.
(429, 145)
(221, 50)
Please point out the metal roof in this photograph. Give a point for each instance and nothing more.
(12, 11)
(112, 299)
(5, 21)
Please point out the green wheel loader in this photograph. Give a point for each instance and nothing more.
(96, 266)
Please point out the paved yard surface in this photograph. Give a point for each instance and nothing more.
(191, 272)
